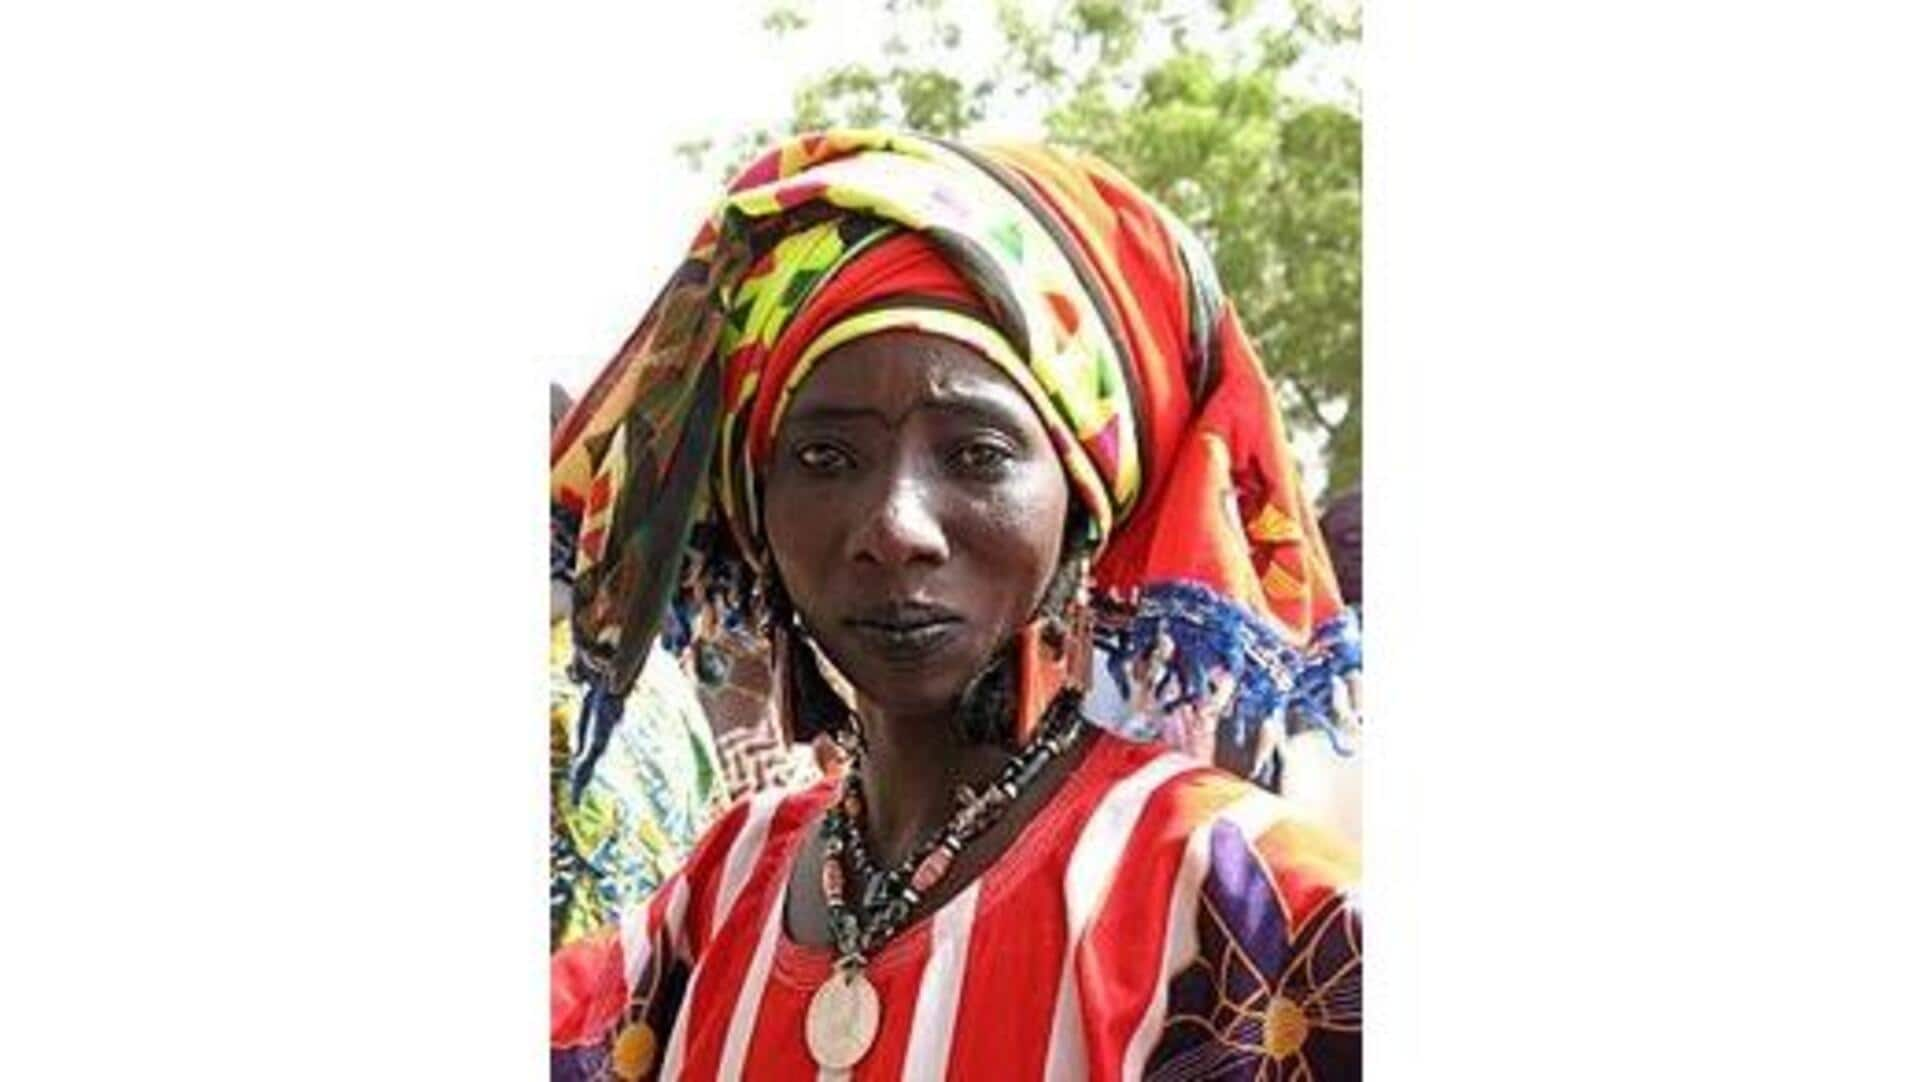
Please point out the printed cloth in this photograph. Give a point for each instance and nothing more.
(651, 794)
(1159, 919)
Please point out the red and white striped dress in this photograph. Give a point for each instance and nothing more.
(1156, 919)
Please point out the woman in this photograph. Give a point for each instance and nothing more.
(973, 436)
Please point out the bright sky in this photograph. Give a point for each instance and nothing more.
(637, 203)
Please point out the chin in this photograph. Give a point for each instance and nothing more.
(912, 693)
(903, 688)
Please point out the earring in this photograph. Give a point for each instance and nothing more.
(1055, 652)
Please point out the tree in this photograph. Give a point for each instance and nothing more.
(1221, 110)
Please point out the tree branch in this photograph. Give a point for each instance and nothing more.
(1313, 405)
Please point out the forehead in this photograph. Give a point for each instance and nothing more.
(896, 370)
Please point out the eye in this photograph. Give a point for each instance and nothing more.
(822, 458)
(982, 458)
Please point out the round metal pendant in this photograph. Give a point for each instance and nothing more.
(842, 1020)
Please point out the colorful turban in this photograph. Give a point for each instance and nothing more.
(1211, 577)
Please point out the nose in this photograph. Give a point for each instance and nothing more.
(903, 529)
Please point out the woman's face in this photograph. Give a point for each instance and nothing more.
(915, 508)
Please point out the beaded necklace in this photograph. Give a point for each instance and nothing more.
(844, 1016)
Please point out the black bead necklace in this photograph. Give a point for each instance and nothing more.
(845, 1013)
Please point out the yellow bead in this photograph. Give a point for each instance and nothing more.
(633, 1051)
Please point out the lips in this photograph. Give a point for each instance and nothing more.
(905, 630)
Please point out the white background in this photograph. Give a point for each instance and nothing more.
(281, 288)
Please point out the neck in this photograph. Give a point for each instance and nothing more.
(913, 763)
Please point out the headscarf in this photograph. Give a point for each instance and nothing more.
(1213, 583)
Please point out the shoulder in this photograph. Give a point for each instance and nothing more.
(755, 830)
(1263, 935)
(1208, 830)
(754, 824)
(1222, 915)
(1185, 798)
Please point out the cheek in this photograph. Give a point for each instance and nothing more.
(1020, 530)
(796, 536)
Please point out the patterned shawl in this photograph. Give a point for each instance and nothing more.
(1213, 584)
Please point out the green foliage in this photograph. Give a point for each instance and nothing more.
(1206, 106)
(783, 19)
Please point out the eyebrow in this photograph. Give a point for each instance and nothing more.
(977, 407)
